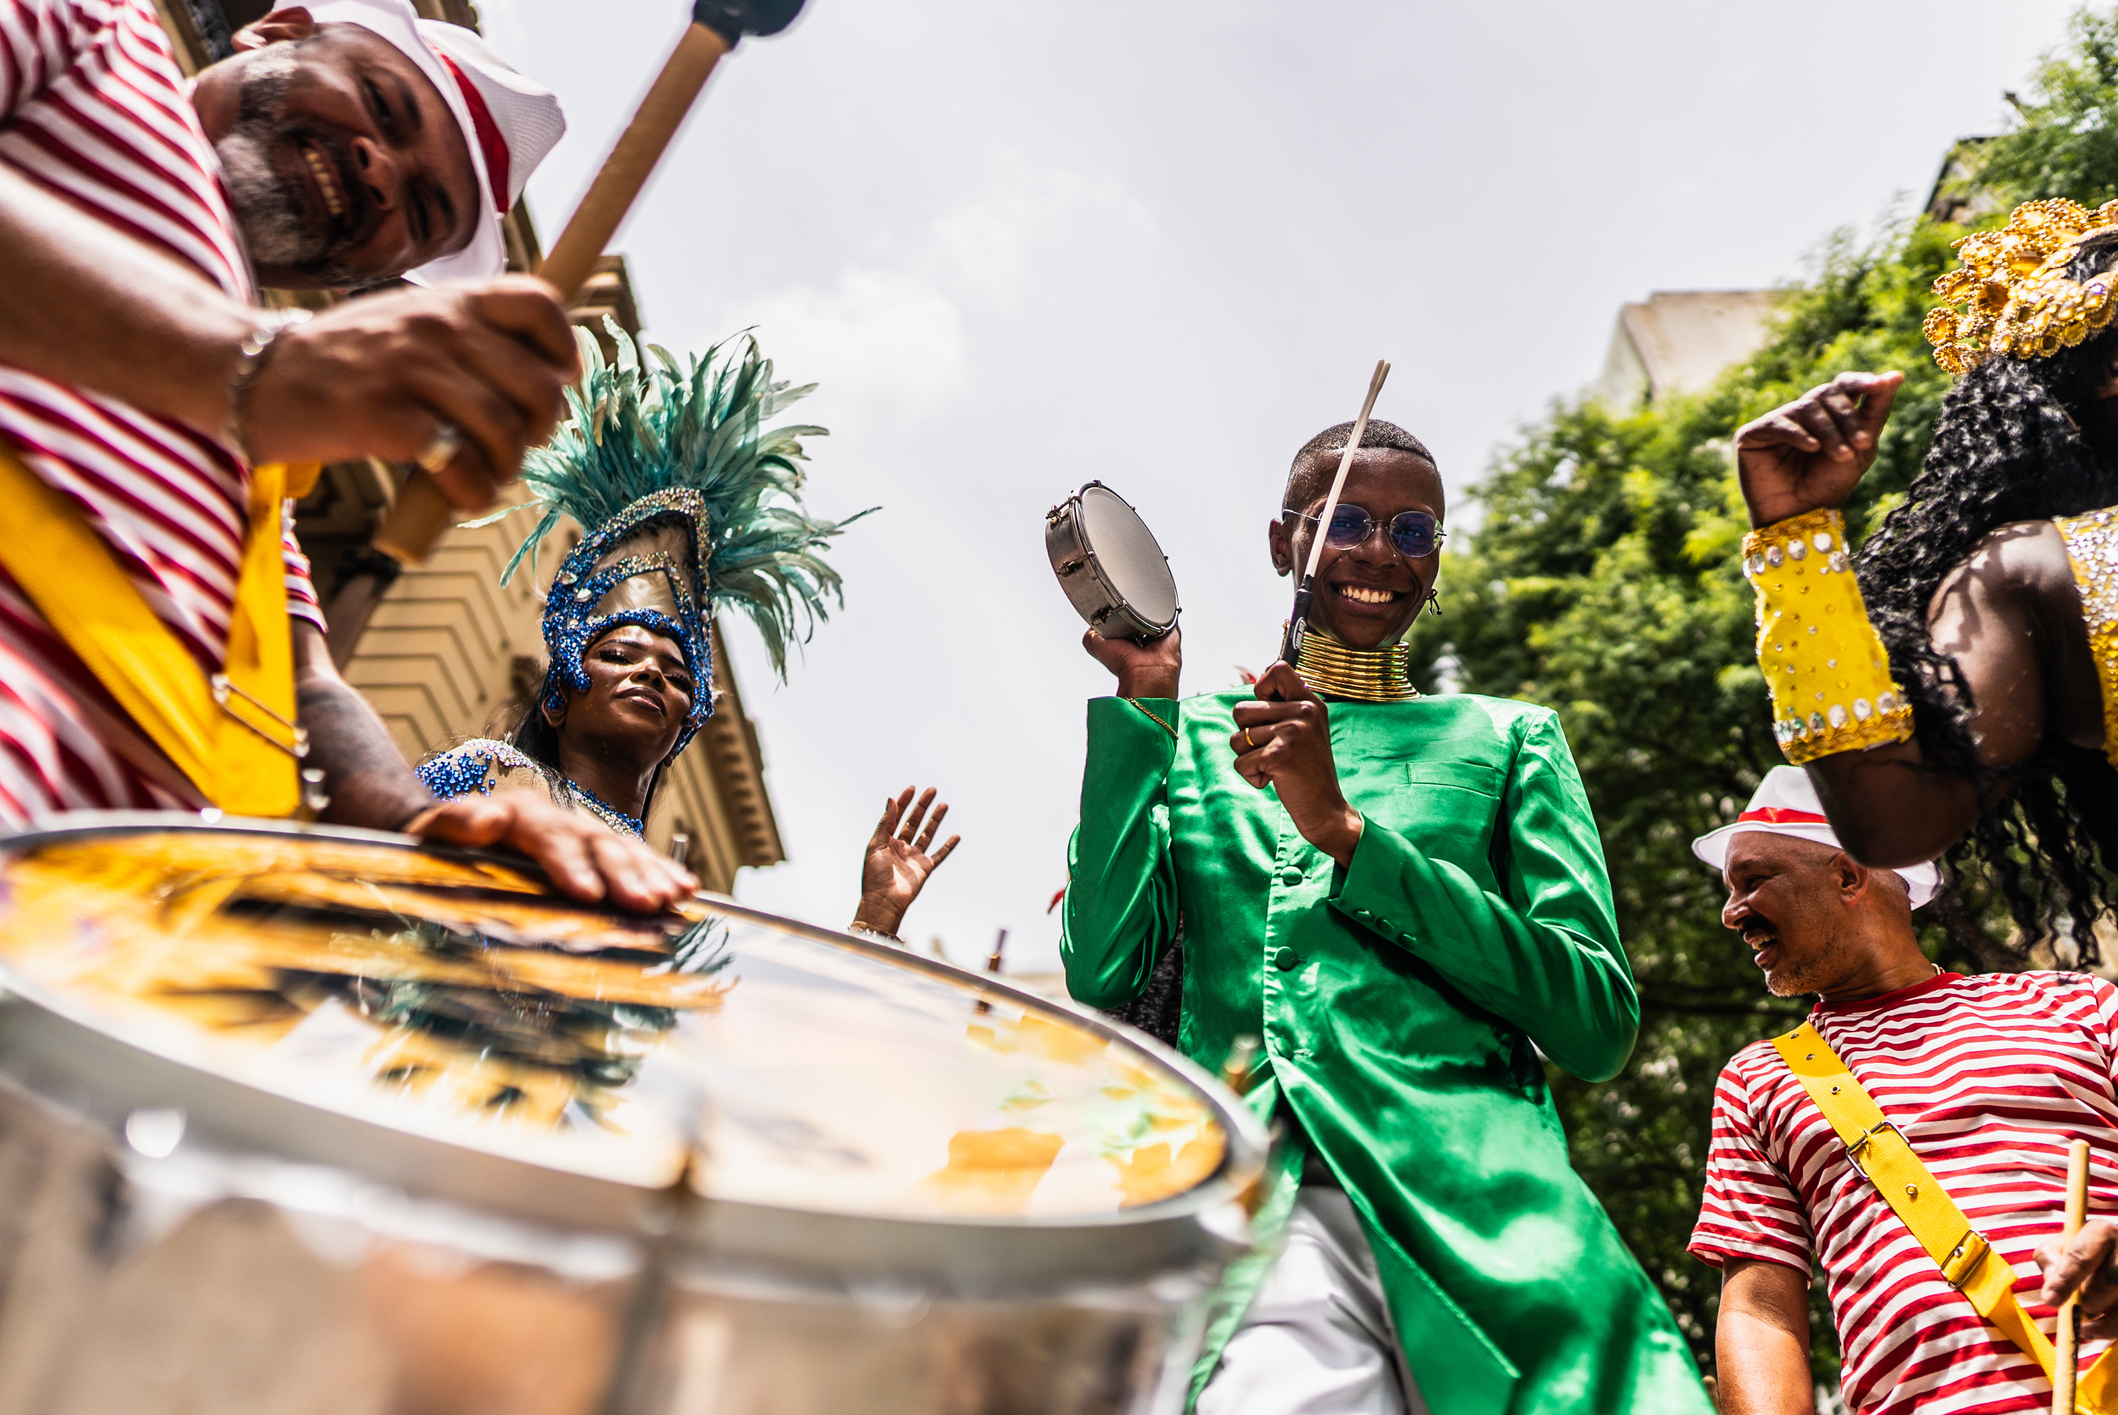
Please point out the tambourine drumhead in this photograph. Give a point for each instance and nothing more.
(447, 997)
(1126, 551)
(1109, 565)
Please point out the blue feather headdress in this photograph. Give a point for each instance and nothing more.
(689, 503)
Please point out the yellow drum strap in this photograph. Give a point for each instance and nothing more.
(232, 733)
(1879, 1150)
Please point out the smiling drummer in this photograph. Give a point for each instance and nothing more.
(1405, 897)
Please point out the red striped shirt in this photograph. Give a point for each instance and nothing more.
(1990, 1078)
(92, 107)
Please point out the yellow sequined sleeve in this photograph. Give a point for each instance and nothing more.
(1822, 659)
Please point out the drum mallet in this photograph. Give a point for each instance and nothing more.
(1305, 590)
(421, 515)
(2068, 1330)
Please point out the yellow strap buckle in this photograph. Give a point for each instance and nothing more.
(1859, 1143)
(1964, 1258)
(296, 747)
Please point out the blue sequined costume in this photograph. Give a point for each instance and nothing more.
(691, 504)
(483, 763)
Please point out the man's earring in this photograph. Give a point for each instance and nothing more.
(1434, 602)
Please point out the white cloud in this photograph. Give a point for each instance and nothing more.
(886, 340)
(991, 246)
(895, 336)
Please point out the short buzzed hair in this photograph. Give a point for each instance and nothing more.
(1309, 477)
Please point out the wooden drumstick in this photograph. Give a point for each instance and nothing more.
(2069, 1328)
(421, 515)
(572, 258)
(1305, 590)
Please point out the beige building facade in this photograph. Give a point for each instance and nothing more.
(1678, 341)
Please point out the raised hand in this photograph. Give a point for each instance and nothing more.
(1809, 453)
(897, 865)
(1145, 668)
(1283, 740)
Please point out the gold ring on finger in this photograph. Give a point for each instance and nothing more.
(1250, 739)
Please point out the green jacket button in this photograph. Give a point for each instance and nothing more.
(1292, 875)
(1285, 959)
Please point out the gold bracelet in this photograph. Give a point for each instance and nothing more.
(1822, 659)
(1157, 721)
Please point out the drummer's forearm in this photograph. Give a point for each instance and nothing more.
(1152, 681)
(366, 777)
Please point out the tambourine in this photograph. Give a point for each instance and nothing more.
(1110, 565)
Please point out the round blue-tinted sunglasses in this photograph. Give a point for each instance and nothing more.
(1415, 533)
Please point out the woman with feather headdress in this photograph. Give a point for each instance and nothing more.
(690, 501)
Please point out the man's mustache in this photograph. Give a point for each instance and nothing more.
(1757, 927)
(264, 158)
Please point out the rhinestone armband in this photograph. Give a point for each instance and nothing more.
(1823, 661)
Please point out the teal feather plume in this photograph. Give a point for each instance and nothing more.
(648, 421)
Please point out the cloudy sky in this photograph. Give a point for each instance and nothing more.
(1160, 243)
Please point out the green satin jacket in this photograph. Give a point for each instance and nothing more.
(1403, 1001)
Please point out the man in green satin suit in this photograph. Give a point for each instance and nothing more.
(1404, 896)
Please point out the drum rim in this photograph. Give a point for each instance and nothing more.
(1092, 558)
(1153, 628)
(628, 1205)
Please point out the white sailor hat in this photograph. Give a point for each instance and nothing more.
(1786, 804)
(509, 122)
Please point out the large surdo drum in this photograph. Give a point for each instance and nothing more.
(304, 1120)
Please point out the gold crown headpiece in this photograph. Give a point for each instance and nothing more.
(2014, 289)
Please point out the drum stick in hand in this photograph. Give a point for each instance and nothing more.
(2069, 1330)
(421, 514)
(1305, 590)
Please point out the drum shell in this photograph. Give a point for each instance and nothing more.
(233, 1283)
(1081, 578)
(130, 1285)
(286, 1258)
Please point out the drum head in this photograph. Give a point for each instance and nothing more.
(1128, 556)
(445, 995)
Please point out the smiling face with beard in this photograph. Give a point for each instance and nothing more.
(1815, 921)
(343, 163)
(277, 214)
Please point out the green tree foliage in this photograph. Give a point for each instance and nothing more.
(2063, 145)
(1603, 581)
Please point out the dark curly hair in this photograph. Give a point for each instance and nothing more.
(2007, 448)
